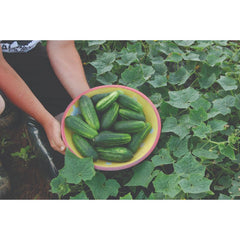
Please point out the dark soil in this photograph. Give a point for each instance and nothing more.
(26, 179)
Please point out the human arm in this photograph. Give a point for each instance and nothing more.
(67, 65)
(20, 94)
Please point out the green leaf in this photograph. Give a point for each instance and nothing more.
(158, 81)
(77, 169)
(171, 125)
(235, 189)
(156, 99)
(81, 196)
(184, 43)
(133, 77)
(192, 57)
(201, 103)
(127, 57)
(162, 158)
(179, 77)
(224, 182)
(206, 82)
(227, 83)
(195, 183)
(103, 63)
(168, 47)
(205, 154)
(188, 165)
(142, 174)
(128, 196)
(160, 69)
(59, 186)
(174, 57)
(227, 151)
(177, 146)
(237, 102)
(102, 188)
(148, 71)
(198, 116)
(183, 98)
(96, 42)
(222, 106)
(136, 47)
(107, 78)
(216, 125)
(167, 184)
(201, 130)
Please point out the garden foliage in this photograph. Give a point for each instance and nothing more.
(195, 87)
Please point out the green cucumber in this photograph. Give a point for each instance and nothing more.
(114, 154)
(129, 126)
(110, 116)
(138, 138)
(84, 147)
(131, 115)
(105, 102)
(88, 112)
(99, 96)
(110, 139)
(76, 125)
(128, 102)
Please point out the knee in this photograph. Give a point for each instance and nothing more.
(2, 105)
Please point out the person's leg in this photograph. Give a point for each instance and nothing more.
(36, 71)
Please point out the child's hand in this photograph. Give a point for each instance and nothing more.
(53, 131)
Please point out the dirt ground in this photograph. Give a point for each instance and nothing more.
(26, 179)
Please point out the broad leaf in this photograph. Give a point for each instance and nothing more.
(158, 81)
(177, 146)
(174, 57)
(142, 174)
(198, 116)
(205, 154)
(59, 186)
(184, 43)
(171, 125)
(102, 188)
(107, 78)
(167, 184)
(80, 196)
(195, 183)
(201, 130)
(216, 125)
(179, 77)
(183, 98)
(227, 83)
(128, 196)
(162, 158)
(133, 77)
(103, 63)
(188, 165)
(77, 169)
(227, 151)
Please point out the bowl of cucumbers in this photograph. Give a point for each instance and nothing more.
(117, 126)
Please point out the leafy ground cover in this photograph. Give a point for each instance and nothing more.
(195, 87)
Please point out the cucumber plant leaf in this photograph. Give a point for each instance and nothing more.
(183, 98)
(59, 186)
(142, 174)
(167, 184)
(195, 183)
(188, 165)
(77, 169)
(103, 188)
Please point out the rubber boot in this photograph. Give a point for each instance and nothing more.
(49, 161)
(4, 182)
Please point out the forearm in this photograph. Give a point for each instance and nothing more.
(19, 93)
(67, 65)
